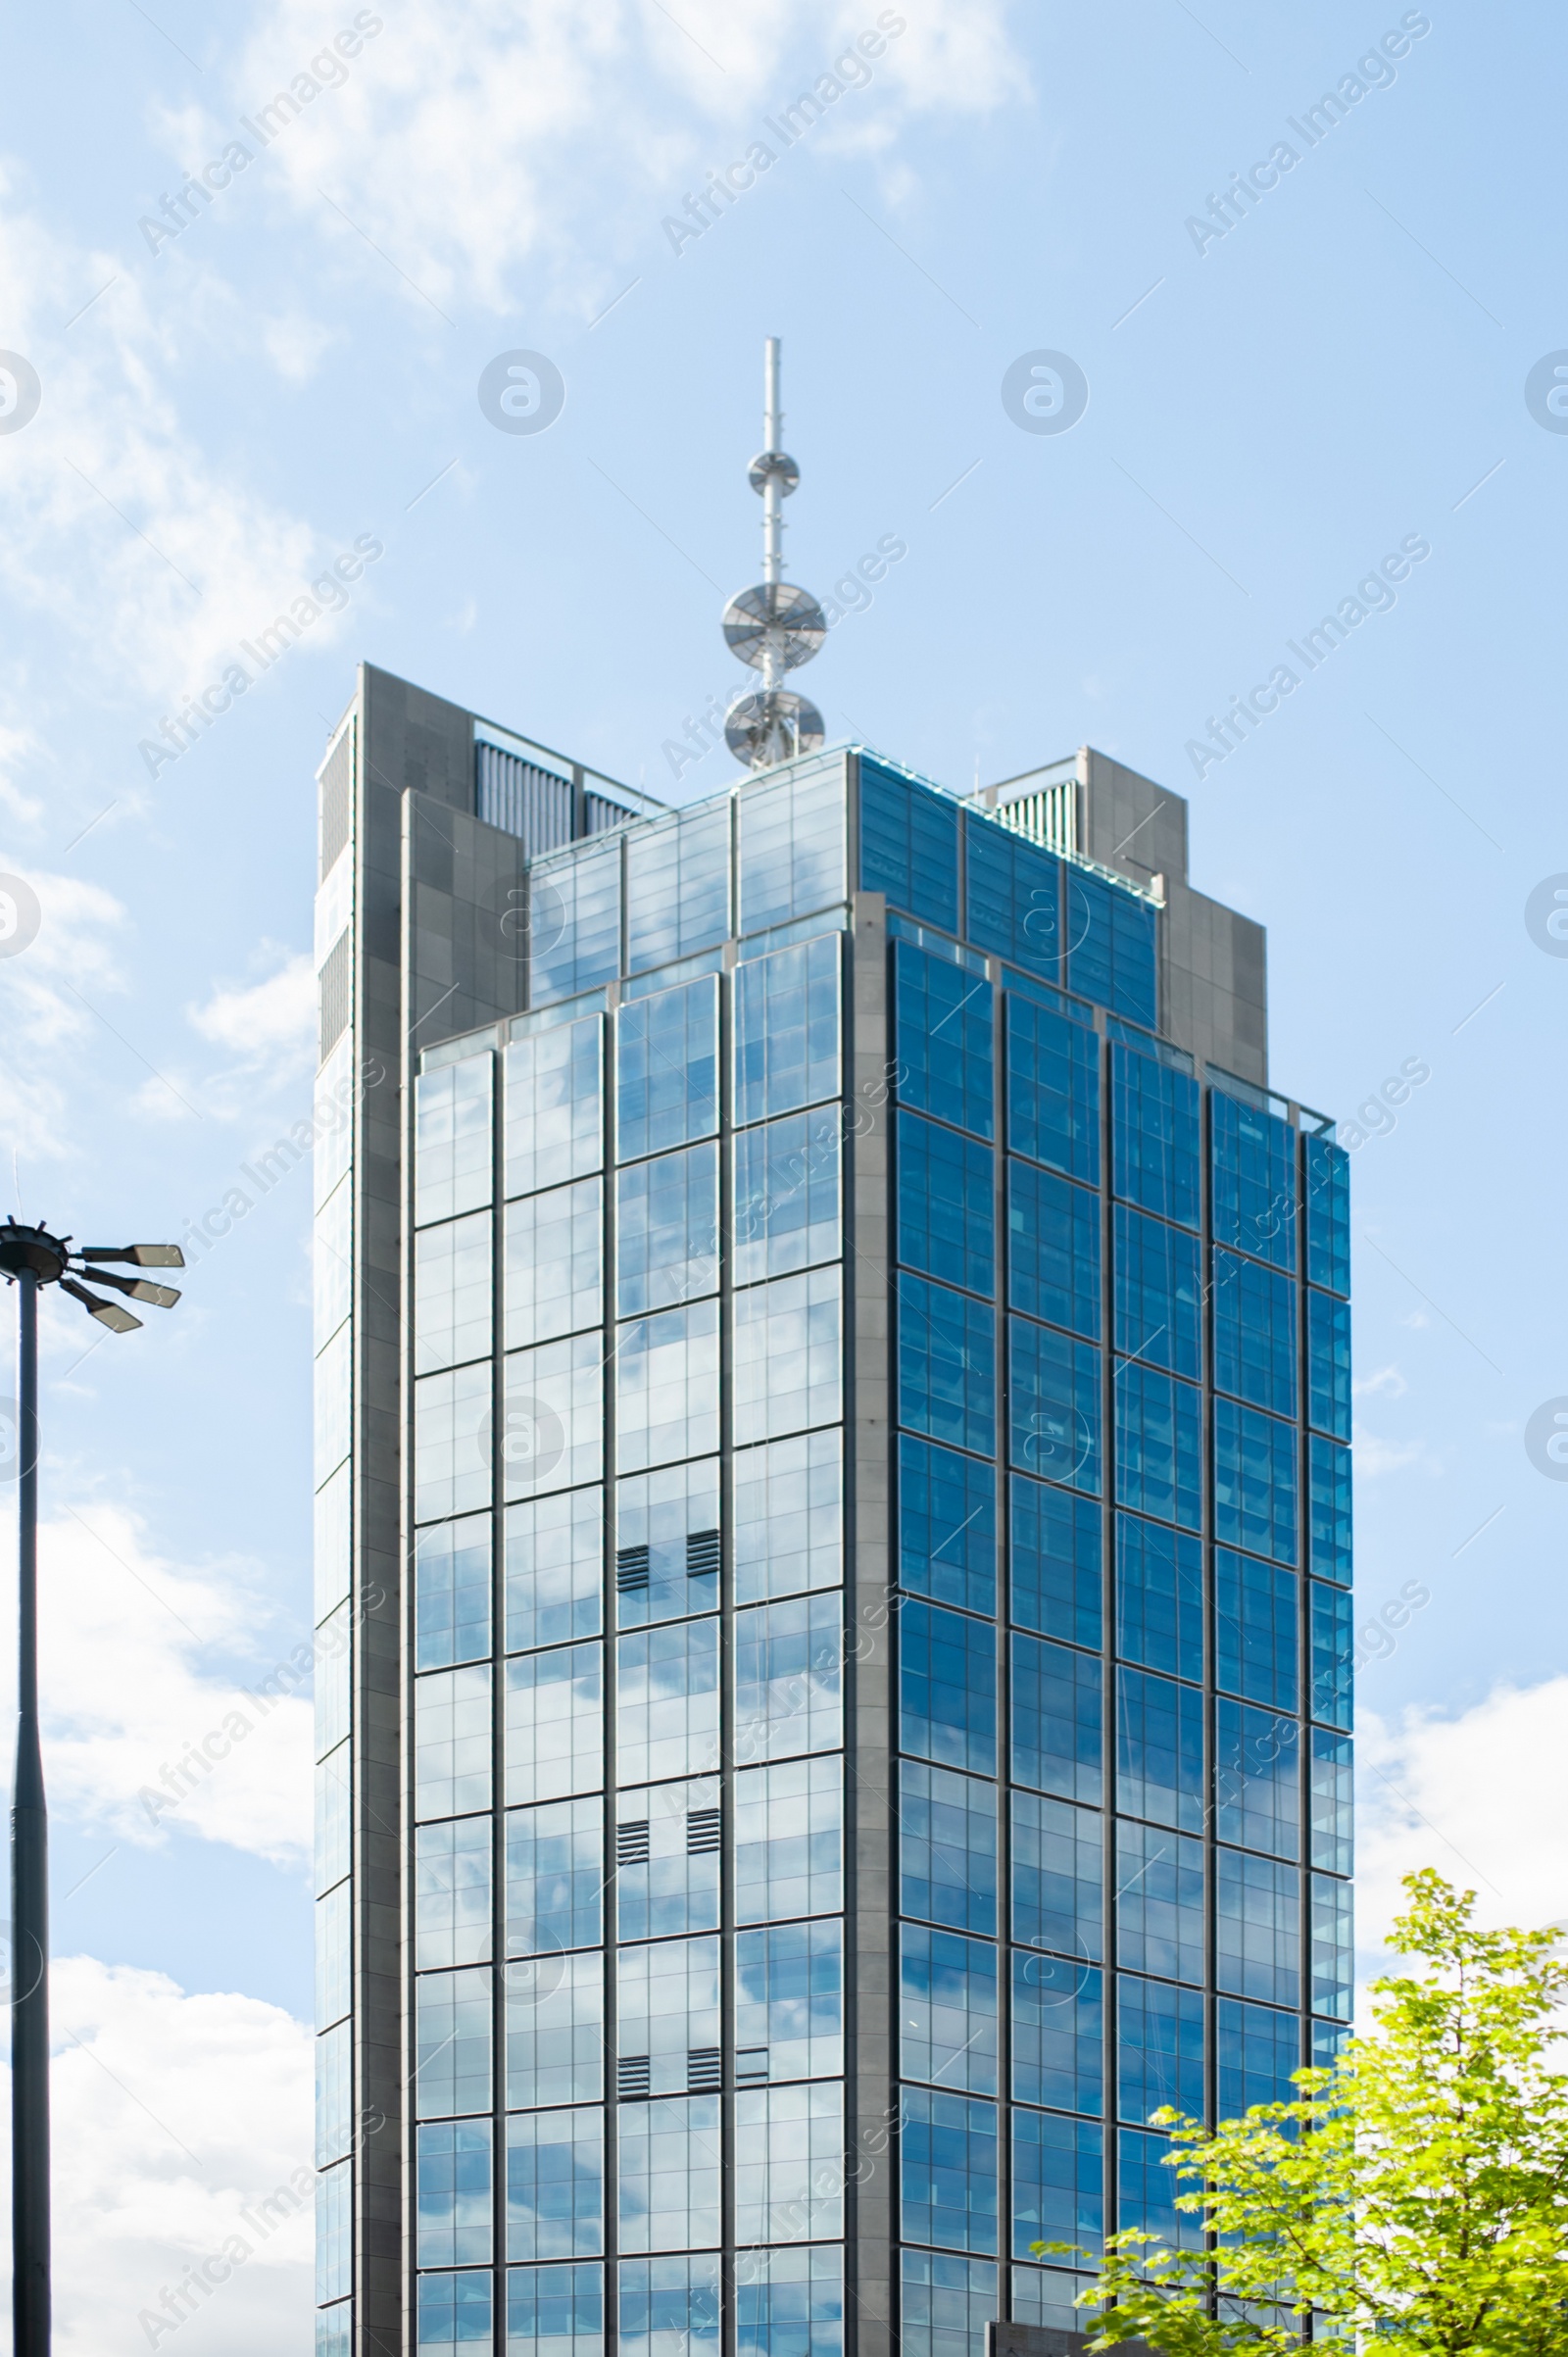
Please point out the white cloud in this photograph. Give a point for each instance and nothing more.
(294, 345)
(1386, 1384)
(266, 1023)
(50, 997)
(173, 2115)
(1375, 1456)
(127, 1667)
(1478, 1795)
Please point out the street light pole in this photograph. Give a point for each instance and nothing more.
(30, 1258)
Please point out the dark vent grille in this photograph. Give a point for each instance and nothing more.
(334, 986)
(703, 1831)
(631, 2076)
(751, 2066)
(702, 1553)
(705, 2071)
(631, 1843)
(337, 798)
(530, 803)
(631, 1569)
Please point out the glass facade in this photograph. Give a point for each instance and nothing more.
(861, 1301)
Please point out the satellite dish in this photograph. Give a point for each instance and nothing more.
(774, 617)
(777, 725)
(774, 466)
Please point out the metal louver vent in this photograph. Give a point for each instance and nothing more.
(631, 2076)
(703, 1831)
(705, 2070)
(702, 1553)
(334, 985)
(631, 1569)
(631, 1843)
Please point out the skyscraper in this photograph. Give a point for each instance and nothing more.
(833, 1396)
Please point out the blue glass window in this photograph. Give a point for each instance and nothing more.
(1014, 897)
(574, 920)
(946, 1526)
(1257, 1939)
(1055, 1561)
(1160, 1749)
(947, 1847)
(945, 2303)
(1328, 2044)
(452, 1592)
(942, 1038)
(947, 2009)
(1255, 1481)
(1052, 1250)
(948, 2153)
(1058, 1720)
(1159, 1901)
(1328, 1363)
(909, 845)
(666, 2304)
(1147, 2187)
(1328, 1214)
(1329, 1509)
(946, 1365)
(1333, 1800)
(1159, 1290)
(1333, 1655)
(1159, 1455)
(1258, 2049)
(666, 1088)
(554, 1877)
(667, 1230)
(1257, 1778)
(1153, 1135)
(787, 1028)
(453, 2308)
(792, 2306)
(786, 1181)
(1254, 1333)
(1253, 1179)
(1111, 946)
(1159, 1597)
(1159, 2049)
(1052, 1089)
(1058, 1881)
(1056, 2181)
(677, 884)
(556, 2184)
(1058, 2034)
(1254, 1629)
(790, 847)
(1054, 1387)
(452, 2193)
(947, 1688)
(556, 2311)
(1332, 1947)
(946, 1223)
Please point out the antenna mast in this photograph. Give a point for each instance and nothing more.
(775, 627)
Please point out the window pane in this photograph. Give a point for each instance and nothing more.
(942, 1033)
(452, 1892)
(666, 1710)
(1330, 1509)
(334, 2094)
(789, 2001)
(1056, 2181)
(1014, 897)
(555, 2029)
(333, 1830)
(948, 2153)
(333, 1955)
(787, 1029)
(947, 1847)
(668, 1534)
(553, 1416)
(554, 1733)
(452, 2039)
(1328, 1214)
(1147, 2190)
(1253, 1180)
(1058, 2034)
(1254, 1629)
(677, 884)
(1257, 1779)
(1159, 1903)
(667, 1230)
(1055, 1561)
(787, 1196)
(555, 1876)
(670, 2159)
(789, 1839)
(452, 2194)
(1052, 1250)
(1159, 2049)
(451, 1422)
(554, 1127)
(453, 2309)
(787, 1368)
(947, 1688)
(945, 1223)
(1056, 1405)
(792, 844)
(1333, 1655)
(946, 2008)
(451, 1139)
(1332, 1947)
(556, 2311)
(573, 919)
(1111, 946)
(947, 1365)
(452, 1741)
(1258, 2050)
(1159, 1452)
(555, 1569)
(666, 2011)
(1052, 1089)
(1160, 1749)
(452, 1592)
(788, 1678)
(666, 1387)
(946, 1526)
(1155, 1135)
(555, 1263)
(1254, 1333)
(1158, 1294)
(789, 1516)
(946, 2304)
(1328, 1364)
(1058, 1882)
(909, 845)
(452, 1293)
(1257, 1927)
(1159, 1597)
(666, 1066)
(335, 2236)
(1333, 1794)
(790, 2303)
(1255, 1481)
(669, 2307)
(1058, 1720)
(554, 2184)
(789, 2163)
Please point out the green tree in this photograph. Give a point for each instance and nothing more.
(1417, 2190)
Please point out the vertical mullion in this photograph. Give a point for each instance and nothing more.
(608, 1070)
(1002, 1265)
(1108, 1631)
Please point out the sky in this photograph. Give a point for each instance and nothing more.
(1250, 402)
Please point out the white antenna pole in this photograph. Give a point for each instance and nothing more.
(772, 506)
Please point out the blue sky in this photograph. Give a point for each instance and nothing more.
(1271, 411)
